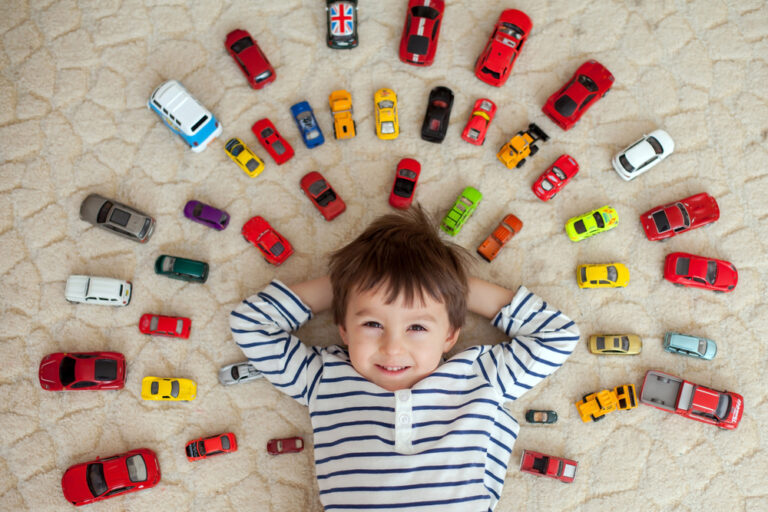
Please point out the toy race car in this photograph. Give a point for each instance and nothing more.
(206, 215)
(477, 126)
(308, 127)
(160, 388)
(252, 61)
(325, 199)
(591, 223)
(341, 110)
(555, 177)
(246, 159)
(558, 468)
(589, 83)
(462, 209)
(404, 186)
(602, 275)
(418, 43)
(507, 228)
(209, 446)
(82, 371)
(237, 373)
(385, 108)
(684, 269)
(341, 21)
(671, 219)
(438, 114)
(275, 248)
(273, 142)
(513, 153)
(161, 325)
(495, 63)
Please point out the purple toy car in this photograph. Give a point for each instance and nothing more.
(207, 215)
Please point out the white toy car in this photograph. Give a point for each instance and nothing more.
(237, 373)
(98, 290)
(643, 154)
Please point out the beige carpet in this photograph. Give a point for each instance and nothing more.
(74, 82)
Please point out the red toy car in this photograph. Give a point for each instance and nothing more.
(209, 446)
(288, 445)
(250, 58)
(160, 325)
(495, 63)
(692, 212)
(548, 465)
(684, 269)
(422, 28)
(555, 177)
(404, 187)
(322, 195)
(477, 126)
(272, 244)
(272, 141)
(82, 371)
(101, 479)
(587, 85)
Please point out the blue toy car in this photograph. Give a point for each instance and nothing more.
(687, 345)
(308, 127)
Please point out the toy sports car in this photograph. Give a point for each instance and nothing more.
(250, 58)
(587, 85)
(385, 105)
(548, 465)
(438, 114)
(272, 141)
(209, 446)
(275, 248)
(684, 215)
(404, 187)
(684, 269)
(422, 29)
(479, 121)
(325, 199)
(160, 388)
(495, 63)
(341, 18)
(308, 127)
(602, 275)
(161, 325)
(82, 371)
(206, 215)
(507, 228)
(238, 372)
(643, 154)
(591, 223)
(462, 209)
(555, 177)
(341, 109)
(246, 159)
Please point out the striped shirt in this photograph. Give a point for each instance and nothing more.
(442, 445)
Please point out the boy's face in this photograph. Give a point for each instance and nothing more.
(393, 345)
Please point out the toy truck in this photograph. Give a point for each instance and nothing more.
(677, 395)
(595, 406)
(513, 153)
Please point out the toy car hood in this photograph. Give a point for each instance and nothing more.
(75, 485)
(49, 371)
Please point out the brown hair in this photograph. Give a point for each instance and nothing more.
(403, 252)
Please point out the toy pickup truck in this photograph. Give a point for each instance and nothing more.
(595, 406)
(513, 153)
(548, 465)
(674, 394)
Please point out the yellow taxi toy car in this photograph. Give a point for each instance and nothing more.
(341, 109)
(591, 223)
(615, 344)
(385, 106)
(246, 159)
(602, 275)
(159, 388)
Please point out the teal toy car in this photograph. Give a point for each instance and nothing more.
(462, 209)
(181, 268)
(687, 345)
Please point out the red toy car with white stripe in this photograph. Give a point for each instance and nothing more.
(555, 177)
(477, 126)
(680, 216)
(422, 29)
(277, 147)
(161, 325)
(495, 63)
(587, 85)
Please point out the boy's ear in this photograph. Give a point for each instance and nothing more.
(451, 340)
(343, 334)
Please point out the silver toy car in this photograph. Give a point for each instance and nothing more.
(117, 217)
(237, 373)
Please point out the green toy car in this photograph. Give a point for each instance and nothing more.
(534, 416)
(462, 209)
(181, 268)
(591, 223)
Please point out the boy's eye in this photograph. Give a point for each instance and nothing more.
(373, 324)
(417, 327)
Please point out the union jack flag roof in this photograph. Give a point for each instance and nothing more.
(341, 15)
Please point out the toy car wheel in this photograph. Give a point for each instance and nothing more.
(677, 284)
(606, 92)
(245, 238)
(553, 195)
(520, 163)
(584, 397)
(534, 150)
(598, 418)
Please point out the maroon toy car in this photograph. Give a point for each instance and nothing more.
(275, 248)
(680, 216)
(160, 325)
(548, 465)
(82, 371)
(555, 177)
(418, 43)
(477, 126)
(322, 195)
(250, 58)
(209, 446)
(206, 215)
(287, 445)
(587, 85)
(495, 63)
(404, 186)
(684, 269)
(101, 479)
(272, 141)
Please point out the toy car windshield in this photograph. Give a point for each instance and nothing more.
(267, 132)
(242, 44)
(386, 104)
(168, 264)
(511, 30)
(317, 187)
(120, 217)
(388, 127)
(588, 83)
(418, 45)
(137, 469)
(96, 482)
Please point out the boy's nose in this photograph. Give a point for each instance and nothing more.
(391, 344)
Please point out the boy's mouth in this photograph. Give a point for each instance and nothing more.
(392, 370)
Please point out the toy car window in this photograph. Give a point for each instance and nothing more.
(197, 210)
(82, 384)
(225, 442)
(625, 163)
(326, 198)
(388, 127)
(491, 72)
(407, 173)
(579, 227)
(602, 281)
(386, 104)
(421, 11)
(235, 373)
(95, 478)
(278, 249)
(223, 219)
(137, 468)
(236, 149)
(199, 123)
(263, 76)
(625, 343)
(242, 44)
(279, 446)
(600, 342)
(305, 118)
(154, 388)
(175, 389)
(655, 145)
(252, 165)
(267, 132)
(105, 369)
(465, 200)
(313, 134)
(587, 100)
(565, 106)
(711, 272)
(681, 268)
(434, 30)
(588, 83)
(559, 173)
(179, 325)
(702, 347)
(613, 274)
(67, 371)
(661, 221)
(511, 30)
(168, 264)
(153, 323)
(599, 219)
(546, 185)
(120, 217)
(103, 211)
(299, 444)
(317, 187)
(403, 188)
(473, 134)
(684, 213)
(723, 406)
(118, 491)
(418, 45)
(699, 280)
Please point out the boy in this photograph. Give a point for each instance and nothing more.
(395, 427)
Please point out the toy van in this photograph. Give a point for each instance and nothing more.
(184, 115)
(687, 345)
(98, 290)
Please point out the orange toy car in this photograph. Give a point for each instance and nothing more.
(509, 227)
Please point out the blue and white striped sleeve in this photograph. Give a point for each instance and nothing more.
(541, 339)
(261, 326)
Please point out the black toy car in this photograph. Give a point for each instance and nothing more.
(438, 113)
(341, 17)
(534, 416)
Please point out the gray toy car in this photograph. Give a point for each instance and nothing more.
(117, 218)
(237, 373)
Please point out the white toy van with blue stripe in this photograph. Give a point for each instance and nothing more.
(184, 115)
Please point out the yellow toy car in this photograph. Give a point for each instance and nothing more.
(602, 275)
(591, 223)
(159, 388)
(246, 159)
(385, 106)
(341, 109)
(615, 344)
(595, 406)
(513, 153)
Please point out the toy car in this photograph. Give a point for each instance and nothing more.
(588, 84)
(479, 121)
(595, 406)
(98, 290)
(206, 215)
(385, 107)
(308, 127)
(418, 44)
(237, 373)
(277, 147)
(548, 465)
(602, 275)
(341, 109)
(288, 445)
(615, 344)
(319, 191)
(521, 146)
(341, 18)
(181, 268)
(640, 156)
(591, 223)
(404, 186)
(246, 159)
(209, 446)
(275, 248)
(494, 65)
(184, 115)
(462, 209)
(534, 416)
(161, 325)
(160, 388)
(555, 177)
(116, 217)
(438, 114)
(100, 479)
(684, 269)
(252, 61)
(692, 346)
(507, 228)
(82, 371)
(671, 219)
